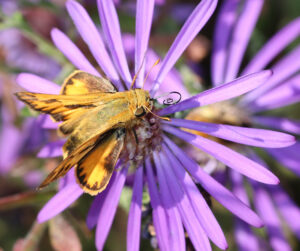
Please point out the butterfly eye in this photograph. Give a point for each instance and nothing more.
(139, 112)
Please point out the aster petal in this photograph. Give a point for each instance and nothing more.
(287, 208)
(242, 135)
(245, 239)
(282, 70)
(97, 203)
(238, 187)
(198, 203)
(93, 214)
(190, 29)
(273, 47)
(34, 83)
(112, 32)
(52, 149)
(266, 210)
(285, 94)
(109, 208)
(10, 146)
(59, 202)
(279, 123)
(241, 35)
(218, 191)
(227, 156)
(91, 36)
(173, 77)
(288, 157)
(224, 92)
(158, 212)
(223, 30)
(144, 14)
(176, 232)
(47, 122)
(196, 233)
(71, 52)
(135, 213)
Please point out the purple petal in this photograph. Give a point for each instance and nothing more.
(135, 213)
(284, 124)
(224, 92)
(288, 157)
(190, 29)
(198, 203)
(219, 192)
(188, 216)
(10, 146)
(238, 187)
(245, 239)
(112, 32)
(227, 156)
(286, 94)
(173, 77)
(273, 47)
(97, 203)
(34, 83)
(223, 30)
(51, 150)
(158, 212)
(283, 70)
(108, 208)
(92, 38)
(71, 52)
(288, 209)
(144, 14)
(266, 210)
(242, 135)
(176, 232)
(59, 202)
(47, 122)
(93, 214)
(241, 35)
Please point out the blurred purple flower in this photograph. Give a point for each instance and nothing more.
(234, 26)
(13, 139)
(177, 204)
(21, 54)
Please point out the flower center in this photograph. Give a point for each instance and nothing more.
(142, 139)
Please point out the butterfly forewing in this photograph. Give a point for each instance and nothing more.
(80, 82)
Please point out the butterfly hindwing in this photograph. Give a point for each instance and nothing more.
(71, 160)
(80, 82)
(94, 170)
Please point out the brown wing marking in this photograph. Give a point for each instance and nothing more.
(60, 107)
(94, 170)
(80, 82)
(70, 161)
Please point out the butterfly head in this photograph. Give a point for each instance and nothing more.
(143, 102)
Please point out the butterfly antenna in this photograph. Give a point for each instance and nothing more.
(156, 63)
(139, 70)
(163, 118)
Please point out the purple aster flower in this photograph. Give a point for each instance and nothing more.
(166, 172)
(21, 53)
(13, 138)
(234, 26)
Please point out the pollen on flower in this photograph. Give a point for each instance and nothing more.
(142, 139)
(219, 113)
(223, 113)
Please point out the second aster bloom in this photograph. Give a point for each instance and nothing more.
(159, 165)
(234, 26)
